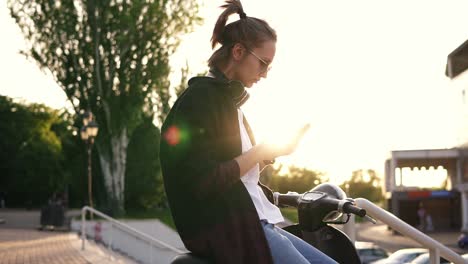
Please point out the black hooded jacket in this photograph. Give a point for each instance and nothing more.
(212, 210)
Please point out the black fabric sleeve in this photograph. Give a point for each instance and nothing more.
(197, 152)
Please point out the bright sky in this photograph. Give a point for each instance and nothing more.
(368, 75)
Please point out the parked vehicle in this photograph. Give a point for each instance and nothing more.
(402, 256)
(462, 240)
(425, 259)
(369, 252)
(464, 256)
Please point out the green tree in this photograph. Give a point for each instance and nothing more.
(31, 160)
(41, 154)
(364, 184)
(295, 179)
(110, 57)
(143, 178)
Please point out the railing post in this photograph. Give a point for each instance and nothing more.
(434, 256)
(151, 244)
(151, 252)
(83, 227)
(111, 230)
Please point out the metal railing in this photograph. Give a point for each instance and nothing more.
(436, 249)
(151, 241)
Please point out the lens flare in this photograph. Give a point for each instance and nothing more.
(172, 135)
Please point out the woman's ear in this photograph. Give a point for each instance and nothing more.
(238, 52)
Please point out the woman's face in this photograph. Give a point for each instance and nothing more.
(254, 64)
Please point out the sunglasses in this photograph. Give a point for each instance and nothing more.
(265, 67)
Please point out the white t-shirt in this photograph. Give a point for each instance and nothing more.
(265, 209)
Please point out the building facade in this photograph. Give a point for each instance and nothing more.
(450, 205)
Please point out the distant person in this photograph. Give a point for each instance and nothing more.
(422, 217)
(211, 164)
(428, 223)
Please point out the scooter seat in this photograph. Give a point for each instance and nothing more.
(188, 258)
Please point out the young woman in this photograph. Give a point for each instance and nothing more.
(211, 164)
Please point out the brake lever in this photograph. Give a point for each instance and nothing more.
(370, 219)
(342, 222)
(366, 217)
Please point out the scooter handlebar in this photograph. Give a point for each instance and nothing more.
(349, 208)
(289, 199)
(345, 206)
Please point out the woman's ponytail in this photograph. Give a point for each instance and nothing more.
(231, 7)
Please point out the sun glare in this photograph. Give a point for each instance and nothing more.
(366, 82)
(421, 177)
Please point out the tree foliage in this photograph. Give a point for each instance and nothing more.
(295, 179)
(364, 184)
(40, 155)
(32, 163)
(110, 57)
(143, 179)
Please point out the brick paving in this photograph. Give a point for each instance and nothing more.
(41, 247)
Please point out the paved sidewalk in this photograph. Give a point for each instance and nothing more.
(31, 246)
(46, 247)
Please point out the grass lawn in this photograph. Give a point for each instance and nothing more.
(290, 213)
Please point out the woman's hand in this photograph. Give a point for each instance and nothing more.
(265, 151)
(270, 151)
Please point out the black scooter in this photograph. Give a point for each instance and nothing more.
(318, 209)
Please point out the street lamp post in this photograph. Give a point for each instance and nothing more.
(88, 132)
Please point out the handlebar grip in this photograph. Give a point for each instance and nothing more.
(349, 208)
(289, 199)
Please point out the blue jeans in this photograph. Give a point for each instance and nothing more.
(287, 248)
